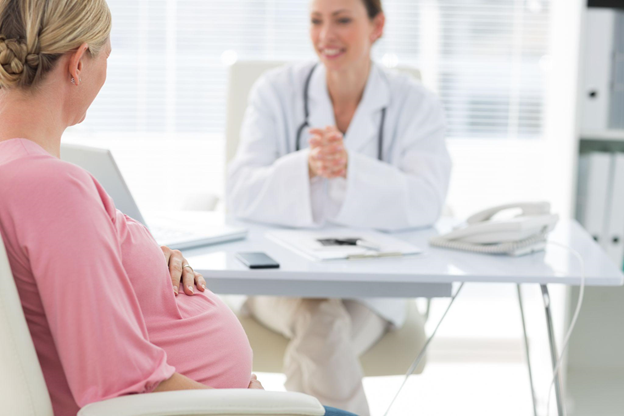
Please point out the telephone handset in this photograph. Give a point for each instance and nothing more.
(516, 236)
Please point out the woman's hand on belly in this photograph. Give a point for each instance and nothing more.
(179, 382)
(254, 383)
(181, 271)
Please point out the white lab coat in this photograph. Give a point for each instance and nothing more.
(268, 180)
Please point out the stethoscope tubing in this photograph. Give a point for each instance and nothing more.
(306, 111)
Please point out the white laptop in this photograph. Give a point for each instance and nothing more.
(166, 230)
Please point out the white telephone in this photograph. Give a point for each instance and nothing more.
(519, 235)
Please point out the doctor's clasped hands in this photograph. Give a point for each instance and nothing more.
(328, 156)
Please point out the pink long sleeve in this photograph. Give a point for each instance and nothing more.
(92, 311)
(96, 290)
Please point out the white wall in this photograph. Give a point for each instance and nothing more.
(492, 172)
(488, 172)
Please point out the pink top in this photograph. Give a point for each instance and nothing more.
(97, 293)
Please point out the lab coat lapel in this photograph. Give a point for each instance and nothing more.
(364, 127)
(320, 105)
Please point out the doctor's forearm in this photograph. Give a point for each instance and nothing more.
(276, 194)
(383, 197)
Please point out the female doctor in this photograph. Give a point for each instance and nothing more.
(338, 141)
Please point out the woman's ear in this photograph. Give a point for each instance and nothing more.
(76, 64)
(379, 23)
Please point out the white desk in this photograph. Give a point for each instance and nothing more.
(429, 275)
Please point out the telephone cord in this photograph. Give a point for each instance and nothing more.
(572, 323)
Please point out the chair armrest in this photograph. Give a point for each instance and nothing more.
(200, 201)
(214, 402)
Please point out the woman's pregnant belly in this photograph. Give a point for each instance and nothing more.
(205, 342)
(203, 339)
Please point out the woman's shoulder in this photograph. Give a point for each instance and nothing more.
(51, 171)
(286, 79)
(406, 85)
(44, 177)
(409, 96)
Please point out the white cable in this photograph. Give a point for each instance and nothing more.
(572, 323)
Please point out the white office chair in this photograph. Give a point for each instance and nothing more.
(23, 391)
(394, 353)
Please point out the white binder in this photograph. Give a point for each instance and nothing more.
(597, 74)
(615, 219)
(594, 188)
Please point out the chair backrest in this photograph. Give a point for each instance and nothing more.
(23, 391)
(242, 76)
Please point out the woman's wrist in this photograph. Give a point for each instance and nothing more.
(179, 382)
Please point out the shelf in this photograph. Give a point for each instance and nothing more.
(605, 135)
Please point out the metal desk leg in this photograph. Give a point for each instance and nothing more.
(526, 349)
(424, 348)
(553, 349)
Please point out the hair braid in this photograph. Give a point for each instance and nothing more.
(34, 34)
(12, 58)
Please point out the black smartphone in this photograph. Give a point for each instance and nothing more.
(257, 260)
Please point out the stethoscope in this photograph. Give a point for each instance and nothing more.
(306, 110)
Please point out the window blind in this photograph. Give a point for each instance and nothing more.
(486, 59)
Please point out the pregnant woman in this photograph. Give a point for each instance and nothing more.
(94, 285)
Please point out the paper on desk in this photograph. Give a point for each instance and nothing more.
(306, 243)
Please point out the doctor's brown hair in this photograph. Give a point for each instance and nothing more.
(373, 7)
(34, 34)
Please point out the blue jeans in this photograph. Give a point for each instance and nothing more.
(330, 411)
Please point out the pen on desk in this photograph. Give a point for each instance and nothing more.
(375, 256)
(367, 244)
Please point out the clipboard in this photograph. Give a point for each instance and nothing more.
(308, 244)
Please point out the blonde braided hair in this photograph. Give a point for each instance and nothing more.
(34, 34)
(14, 57)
